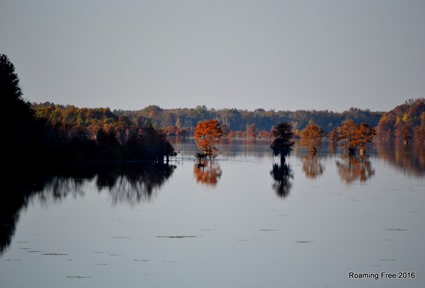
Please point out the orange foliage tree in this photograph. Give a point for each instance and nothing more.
(352, 136)
(312, 136)
(365, 136)
(207, 134)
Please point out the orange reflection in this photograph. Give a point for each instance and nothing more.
(353, 169)
(312, 167)
(207, 172)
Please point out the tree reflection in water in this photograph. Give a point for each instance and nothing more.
(130, 183)
(353, 168)
(312, 166)
(409, 158)
(134, 184)
(282, 175)
(207, 172)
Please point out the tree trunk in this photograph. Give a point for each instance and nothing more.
(282, 159)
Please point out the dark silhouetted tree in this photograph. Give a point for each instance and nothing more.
(20, 132)
(282, 140)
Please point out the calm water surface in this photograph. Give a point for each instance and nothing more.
(242, 221)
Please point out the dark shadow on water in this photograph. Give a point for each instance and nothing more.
(126, 182)
(282, 175)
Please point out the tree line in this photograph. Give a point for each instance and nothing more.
(406, 121)
(237, 123)
(53, 133)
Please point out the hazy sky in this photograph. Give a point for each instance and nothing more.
(245, 54)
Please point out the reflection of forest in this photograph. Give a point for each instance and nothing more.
(282, 175)
(129, 183)
(207, 172)
(409, 158)
(351, 169)
(135, 185)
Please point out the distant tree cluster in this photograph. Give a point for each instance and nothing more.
(98, 135)
(243, 124)
(350, 135)
(405, 122)
(353, 136)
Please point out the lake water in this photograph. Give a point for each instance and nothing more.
(243, 220)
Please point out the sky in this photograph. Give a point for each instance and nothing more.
(243, 54)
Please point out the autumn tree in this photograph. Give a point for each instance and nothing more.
(365, 136)
(311, 136)
(333, 135)
(207, 135)
(352, 136)
(346, 136)
(419, 134)
(405, 133)
(282, 140)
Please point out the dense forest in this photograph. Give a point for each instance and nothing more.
(406, 121)
(236, 123)
(181, 122)
(249, 124)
